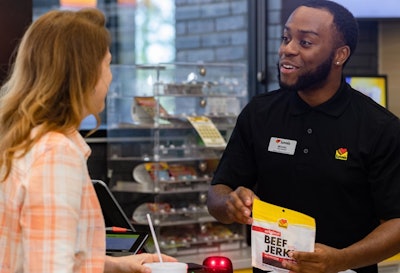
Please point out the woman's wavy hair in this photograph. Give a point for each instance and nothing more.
(56, 68)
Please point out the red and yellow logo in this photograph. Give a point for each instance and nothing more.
(283, 223)
(341, 154)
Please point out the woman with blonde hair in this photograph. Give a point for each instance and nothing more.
(50, 218)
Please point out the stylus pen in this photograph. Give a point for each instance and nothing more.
(118, 229)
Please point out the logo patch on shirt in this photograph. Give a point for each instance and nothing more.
(341, 154)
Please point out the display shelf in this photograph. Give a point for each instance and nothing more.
(193, 186)
(159, 153)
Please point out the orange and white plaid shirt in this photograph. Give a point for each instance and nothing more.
(50, 217)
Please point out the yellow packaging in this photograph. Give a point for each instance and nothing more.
(275, 232)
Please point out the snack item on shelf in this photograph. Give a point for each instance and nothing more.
(158, 171)
(151, 171)
(144, 110)
(194, 234)
(141, 175)
(183, 88)
(139, 215)
(186, 233)
(182, 172)
(215, 231)
(162, 171)
(169, 212)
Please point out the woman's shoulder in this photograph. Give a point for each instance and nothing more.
(59, 141)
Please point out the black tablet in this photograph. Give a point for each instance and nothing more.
(113, 214)
(124, 243)
(121, 237)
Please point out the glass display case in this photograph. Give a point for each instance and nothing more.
(167, 126)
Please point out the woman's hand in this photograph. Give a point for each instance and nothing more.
(133, 263)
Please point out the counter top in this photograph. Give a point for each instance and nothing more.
(241, 259)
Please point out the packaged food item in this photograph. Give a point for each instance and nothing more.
(275, 232)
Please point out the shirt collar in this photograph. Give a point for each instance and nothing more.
(335, 106)
(79, 141)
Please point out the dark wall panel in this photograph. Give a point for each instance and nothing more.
(15, 16)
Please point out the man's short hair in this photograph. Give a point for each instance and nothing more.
(343, 20)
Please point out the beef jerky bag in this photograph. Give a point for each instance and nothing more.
(275, 232)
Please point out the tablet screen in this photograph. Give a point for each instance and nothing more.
(129, 241)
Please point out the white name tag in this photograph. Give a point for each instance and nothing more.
(282, 146)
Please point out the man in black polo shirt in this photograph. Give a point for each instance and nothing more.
(319, 147)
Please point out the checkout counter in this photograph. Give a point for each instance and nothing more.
(241, 261)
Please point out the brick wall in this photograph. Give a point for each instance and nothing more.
(211, 31)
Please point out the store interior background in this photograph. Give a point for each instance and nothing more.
(238, 31)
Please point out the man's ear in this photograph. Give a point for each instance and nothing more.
(341, 55)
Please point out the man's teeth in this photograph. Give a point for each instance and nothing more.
(288, 66)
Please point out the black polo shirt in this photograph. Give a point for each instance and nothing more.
(338, 162)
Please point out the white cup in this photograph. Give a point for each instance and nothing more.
(167, 267)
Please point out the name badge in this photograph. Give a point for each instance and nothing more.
(282, 146)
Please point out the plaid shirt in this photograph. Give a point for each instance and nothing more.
(50, 217)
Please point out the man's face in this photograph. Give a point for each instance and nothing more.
(307, 50)
(309, 79)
